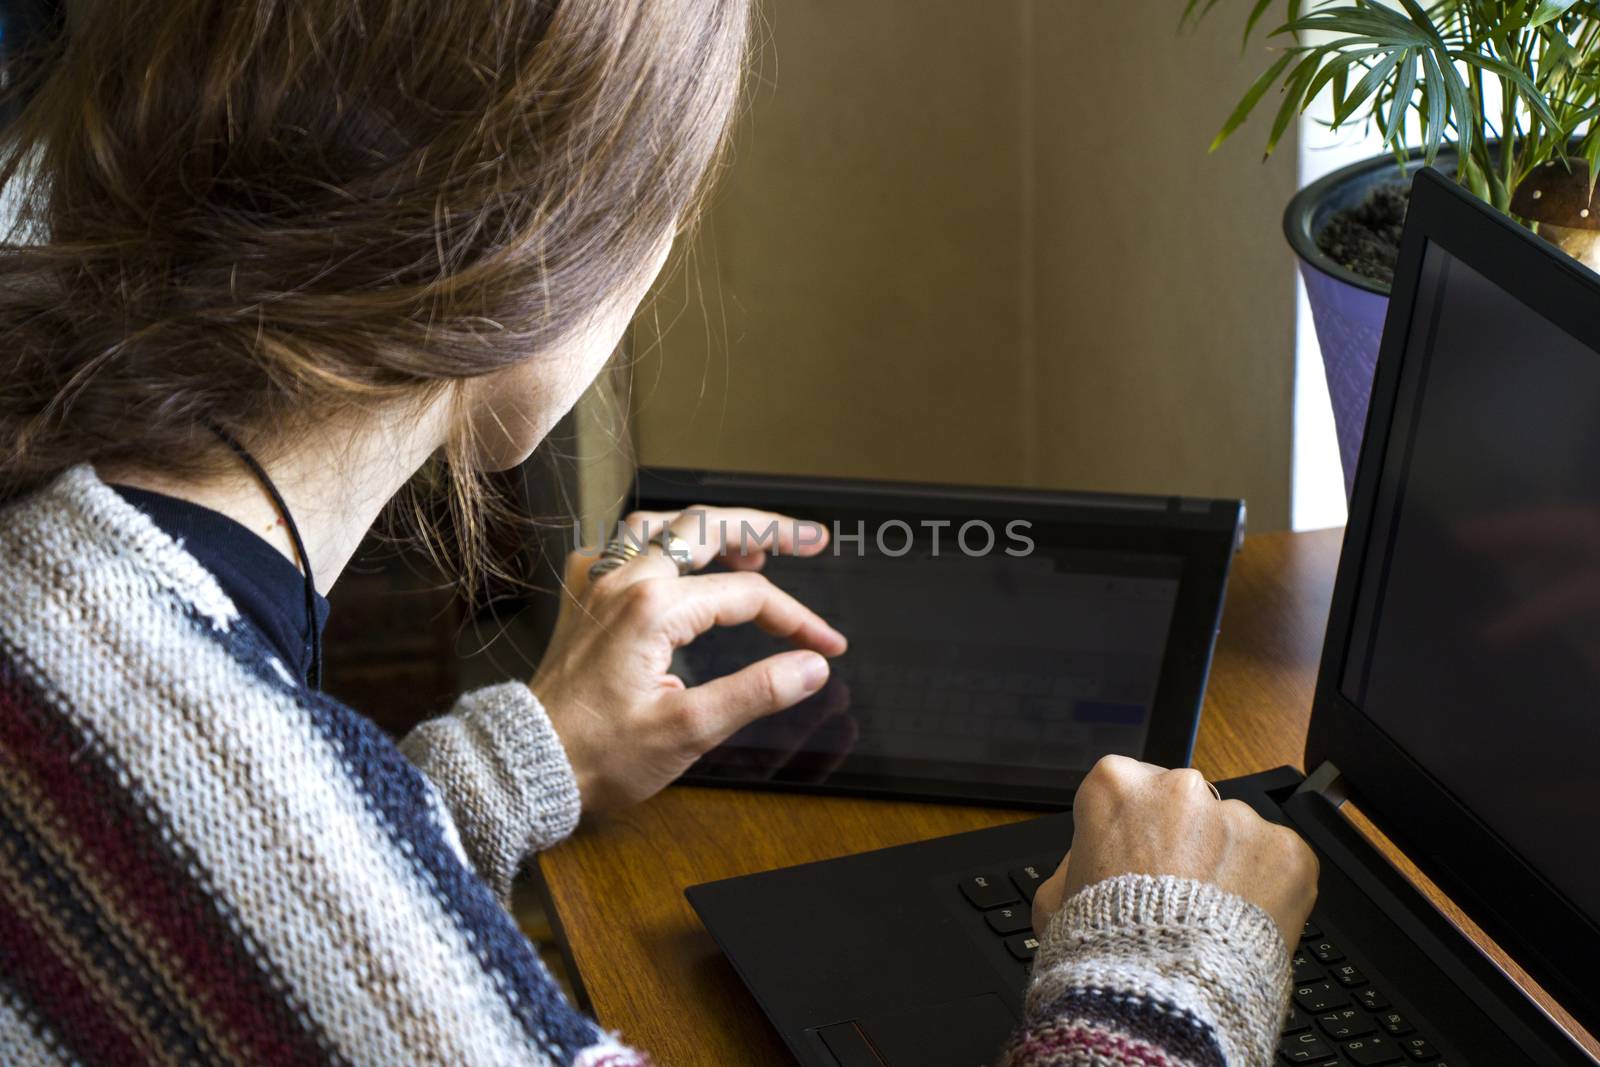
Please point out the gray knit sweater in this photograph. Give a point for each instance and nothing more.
(203, 862)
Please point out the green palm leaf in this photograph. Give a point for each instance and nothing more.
(1440, 61)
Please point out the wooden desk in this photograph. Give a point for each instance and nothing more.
(651, 970)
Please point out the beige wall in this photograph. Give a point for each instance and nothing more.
(982, 242)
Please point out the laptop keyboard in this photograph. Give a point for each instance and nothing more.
(1338, 1013)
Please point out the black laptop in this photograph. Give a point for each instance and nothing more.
(1458, 703)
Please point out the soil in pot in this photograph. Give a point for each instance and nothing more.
(1366, 238)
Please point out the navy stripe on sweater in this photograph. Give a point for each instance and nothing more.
(399, 796)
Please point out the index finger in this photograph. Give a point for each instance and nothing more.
(746, 533)
(707, 600)
(1113, 779)
(1119, 768)
(741, 537)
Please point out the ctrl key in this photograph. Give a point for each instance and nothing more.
(1304, 1048)
(988, 890)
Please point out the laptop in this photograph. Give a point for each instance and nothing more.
(1001, 640)
(1457, 702)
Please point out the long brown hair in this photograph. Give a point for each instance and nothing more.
(250, 213)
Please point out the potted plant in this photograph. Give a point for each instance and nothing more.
(1504, 93)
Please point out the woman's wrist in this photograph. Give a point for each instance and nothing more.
(580, 764)
(503, 774)
(1162, 948)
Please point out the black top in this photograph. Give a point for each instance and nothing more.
(267, 589)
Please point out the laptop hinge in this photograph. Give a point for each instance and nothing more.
(1326, 782)
(1344, 846)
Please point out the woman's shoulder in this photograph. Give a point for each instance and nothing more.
(114, 636)
(108, 625)
(75, 547)
(242, 834)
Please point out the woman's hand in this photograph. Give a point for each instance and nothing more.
(629, 725)
(1136, 818)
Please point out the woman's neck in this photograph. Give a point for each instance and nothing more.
(334, 480)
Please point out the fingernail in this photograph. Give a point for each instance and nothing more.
(814, 671)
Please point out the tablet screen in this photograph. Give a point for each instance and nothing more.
(1039, 664)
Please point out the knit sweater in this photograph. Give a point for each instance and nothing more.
(203, 861)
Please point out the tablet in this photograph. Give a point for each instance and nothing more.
(1001, 640)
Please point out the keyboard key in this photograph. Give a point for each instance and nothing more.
(1395, 1023)
(1027, 878)
(1325, 951)
(1372, 1000)
(1311, 930)
(988, 891)
(1419, 1049)
(1297, 1021)
(1371, 1051)
(1306, 971)
(1022, 946)
(1348, 976)
(1345, 1023)
(1319, 997)
(1304, 1048)
(1012, 920)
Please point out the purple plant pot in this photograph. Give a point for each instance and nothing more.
(1349, 322)
(1347, 308)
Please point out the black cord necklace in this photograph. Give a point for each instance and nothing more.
(299, 547)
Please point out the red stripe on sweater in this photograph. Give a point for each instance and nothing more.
(1070, 1038)
(619, 1059)
(111, 836)
(75, 1009)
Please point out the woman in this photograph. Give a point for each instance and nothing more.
(269, 259)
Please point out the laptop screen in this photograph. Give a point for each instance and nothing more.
(1475, 636)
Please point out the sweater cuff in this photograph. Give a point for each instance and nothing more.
(1173, 960)
(504, 776)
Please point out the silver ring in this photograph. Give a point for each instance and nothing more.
(1214, 790)
(617, 552)
(676, 548)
